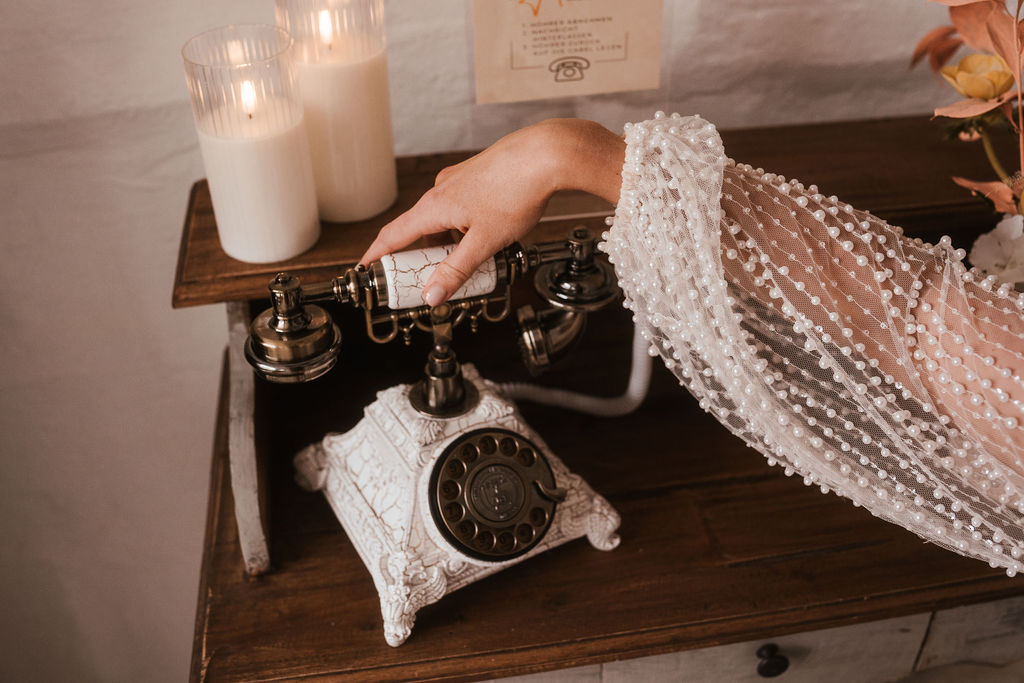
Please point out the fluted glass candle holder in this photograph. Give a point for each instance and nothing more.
(341, 63)
(252, 136)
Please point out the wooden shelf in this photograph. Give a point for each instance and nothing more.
(207, 275)
(717, 547)
(897, 168)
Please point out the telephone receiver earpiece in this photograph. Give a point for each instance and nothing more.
(292, 342)
(574, 287)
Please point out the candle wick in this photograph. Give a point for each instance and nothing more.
(250, 115)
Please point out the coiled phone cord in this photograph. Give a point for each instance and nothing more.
(616, 406)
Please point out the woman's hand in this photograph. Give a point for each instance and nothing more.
(497, 196)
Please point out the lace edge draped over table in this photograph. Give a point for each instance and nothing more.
(874, 366)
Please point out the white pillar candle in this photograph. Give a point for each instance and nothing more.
(261, 184)
(252, 136)
(342, 71)
(348, 117)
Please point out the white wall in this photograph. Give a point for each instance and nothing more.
(107, 395)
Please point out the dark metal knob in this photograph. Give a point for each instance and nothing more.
(286, 297)
(772, 663)
(581, 283)
(292, 342)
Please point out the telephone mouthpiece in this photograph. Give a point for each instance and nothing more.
(548, 336)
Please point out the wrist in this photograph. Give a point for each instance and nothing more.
(583, 155)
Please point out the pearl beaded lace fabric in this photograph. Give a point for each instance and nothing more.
(870, 364)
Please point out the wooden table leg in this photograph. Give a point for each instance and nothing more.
(245, 480)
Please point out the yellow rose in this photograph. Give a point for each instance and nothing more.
(981, 76)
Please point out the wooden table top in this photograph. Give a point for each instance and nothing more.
(717, 546)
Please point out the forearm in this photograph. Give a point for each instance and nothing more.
(586, 156)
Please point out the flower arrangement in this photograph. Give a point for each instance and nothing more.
(986, 82)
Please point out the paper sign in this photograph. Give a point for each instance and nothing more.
(536, 49)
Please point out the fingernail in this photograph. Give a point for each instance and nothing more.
(433, 295)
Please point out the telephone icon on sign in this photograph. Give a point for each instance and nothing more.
(569, 68)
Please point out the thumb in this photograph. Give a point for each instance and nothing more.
(457, 267)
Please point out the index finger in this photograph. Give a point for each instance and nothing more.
(422, 219)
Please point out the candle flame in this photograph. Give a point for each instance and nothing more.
(326, 29)
(248, 97)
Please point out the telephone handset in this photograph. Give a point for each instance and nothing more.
(442, 482)
(295, 341)
(569, 68)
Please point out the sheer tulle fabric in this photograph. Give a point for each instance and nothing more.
(874, 366)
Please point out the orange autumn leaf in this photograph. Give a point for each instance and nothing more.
(995, 191)
(971, 21)
(935, 43)
(942, 51)
(1003, 33)
(974, 106)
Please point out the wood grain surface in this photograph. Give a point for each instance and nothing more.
(896, 168)
(717, 547)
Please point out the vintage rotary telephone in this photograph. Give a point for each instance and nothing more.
(441, 482)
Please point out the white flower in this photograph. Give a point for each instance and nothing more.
(1000, 252)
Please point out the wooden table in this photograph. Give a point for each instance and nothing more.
(717, 546)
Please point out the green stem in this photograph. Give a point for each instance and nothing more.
(990, 152)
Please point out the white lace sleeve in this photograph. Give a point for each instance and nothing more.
(872, 365)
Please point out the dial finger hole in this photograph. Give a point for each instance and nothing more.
(526, 457)
(469, 453)
(506, 541)
(455, 468)
(538, 516)
(453, 511)
(507, 446)
(524, 533)
(484, 540)
(488, 445)
(467, 528)
(450, 490)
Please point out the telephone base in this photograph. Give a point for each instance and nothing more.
(377, 477)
